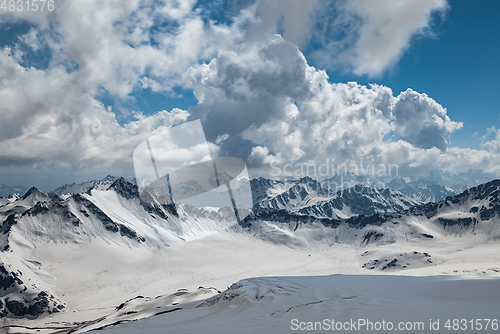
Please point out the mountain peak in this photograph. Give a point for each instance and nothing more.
(309, 181)
(124, 188)
(110, 177)
(85, 187)
(32, 191)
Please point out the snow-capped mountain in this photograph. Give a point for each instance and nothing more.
(81, 256)
(309, 197)
(116, 216)
(291, 195)
(428, 193)
(348, 180)
(458, 182)
(74, 188)
(432, 186)
(473, 215)
(263, 189)
(18, 205)
(359, 200)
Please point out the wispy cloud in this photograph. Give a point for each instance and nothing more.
(370, 37)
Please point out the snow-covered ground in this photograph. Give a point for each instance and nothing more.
(95, 279)
(344, 303)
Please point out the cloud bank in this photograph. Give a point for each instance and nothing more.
(258, 96)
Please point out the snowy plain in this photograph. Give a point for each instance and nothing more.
(96, 279)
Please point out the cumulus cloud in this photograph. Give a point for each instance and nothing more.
(49, 118)
(422, 122)
(248, 86)
(367, 36)
(114, 44)
(74, 133)
(279, 110)
(53, 116)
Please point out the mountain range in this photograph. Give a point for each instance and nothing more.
(6, 191)
(428, 187)
(78, 253)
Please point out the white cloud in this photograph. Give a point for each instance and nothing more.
(264, 103)
(32, 39)
(367, 36)
(462, 159)
(492, 145)
(116, 43)
(39, 17)
(371, 36)
(53, 117)
(422, 122)
(292, 18)
(51, 120)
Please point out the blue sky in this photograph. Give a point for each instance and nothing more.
(83, 85)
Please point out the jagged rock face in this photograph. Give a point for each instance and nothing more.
(490, 193)
(75, 219)
(17, 299)
(359, 200)
(433, 186)
(5, 230)
(129, 191)
(286, 217)
(300, 194)
(485, 196)
(125, 188)
(308, 197)
(89, 209)
(31, 192)
(357, 206)
(82, 217)
(18, 205)
(483, 200)
(371, 206)
(265, 188)
(84, 187)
